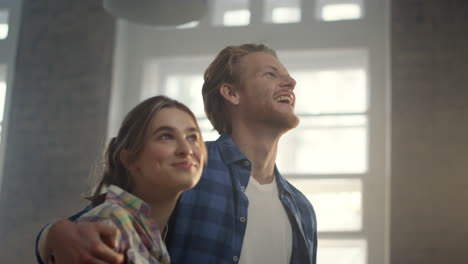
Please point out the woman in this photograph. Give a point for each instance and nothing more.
(157, 154)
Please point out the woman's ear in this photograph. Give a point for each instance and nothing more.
(125, 159)
(230, 93)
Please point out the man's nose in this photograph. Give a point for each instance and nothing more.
(289, 82)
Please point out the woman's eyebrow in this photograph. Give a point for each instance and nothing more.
(163, 128)
(172, 129)
(191, 129)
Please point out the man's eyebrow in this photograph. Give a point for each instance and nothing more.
(272, 67)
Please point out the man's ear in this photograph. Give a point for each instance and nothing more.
(230, 93)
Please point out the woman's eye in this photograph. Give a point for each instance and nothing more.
(193, 138)
(165, 136)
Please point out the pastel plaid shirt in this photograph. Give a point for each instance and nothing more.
(209, 222)
(140, 240)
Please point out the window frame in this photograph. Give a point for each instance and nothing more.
(8, 47)
(135, 49)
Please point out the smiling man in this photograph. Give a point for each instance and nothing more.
(243, 210)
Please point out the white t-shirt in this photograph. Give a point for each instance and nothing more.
(268, 235)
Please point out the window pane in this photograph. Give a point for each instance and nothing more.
(3, 23)
(2, 99)
(3, 88)
(207, 130)
(342, 252)
(231, 12)
(186, 89)
(325, 145)
(282, 11)
(337, 202)
(330, 91)
(239, 17)
(334, 10)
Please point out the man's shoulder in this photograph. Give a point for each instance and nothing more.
(297, 195)
(303, 207)
(215, 159)
(211, 148)
(216, 174)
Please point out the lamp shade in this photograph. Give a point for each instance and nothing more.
(157, 12)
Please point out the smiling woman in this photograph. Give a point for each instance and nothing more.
(157, 154)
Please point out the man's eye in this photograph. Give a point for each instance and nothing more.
(271, 74)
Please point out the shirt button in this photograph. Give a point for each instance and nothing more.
(235, 258)
(242, 219)
(243, 188)
(246, 163)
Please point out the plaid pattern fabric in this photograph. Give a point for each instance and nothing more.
(140, 240)
(209, 222)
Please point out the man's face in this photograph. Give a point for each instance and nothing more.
(266, 91)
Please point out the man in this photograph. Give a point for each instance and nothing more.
(242, 210)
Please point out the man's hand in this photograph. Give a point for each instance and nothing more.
(82, 243)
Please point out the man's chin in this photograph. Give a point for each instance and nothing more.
(289, 122)
(294, 121)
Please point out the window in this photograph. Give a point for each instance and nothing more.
(3, 87)
(337, 155)
(231, 13)
(338, 202)
(334, 10)
(342, 251)
(9, 21)
(3, 23)
(282, 11)
(331, 100)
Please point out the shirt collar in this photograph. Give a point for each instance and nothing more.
(283, 185)
(230, 153)
(228, 150)
(127, 200)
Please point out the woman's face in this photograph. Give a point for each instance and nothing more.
(171, 160)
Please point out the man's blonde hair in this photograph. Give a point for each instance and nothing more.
(225, 69)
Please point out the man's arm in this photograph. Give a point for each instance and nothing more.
(82, 242)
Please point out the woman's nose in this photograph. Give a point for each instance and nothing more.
(183, 148)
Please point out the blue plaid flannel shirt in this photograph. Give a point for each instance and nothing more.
(209, 222)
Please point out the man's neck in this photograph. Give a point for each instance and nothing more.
(259, 145)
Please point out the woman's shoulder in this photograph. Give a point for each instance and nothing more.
(106, 210)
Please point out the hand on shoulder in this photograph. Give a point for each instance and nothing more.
(82, 242)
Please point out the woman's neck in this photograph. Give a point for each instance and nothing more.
(161, 211)
(161, 205)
